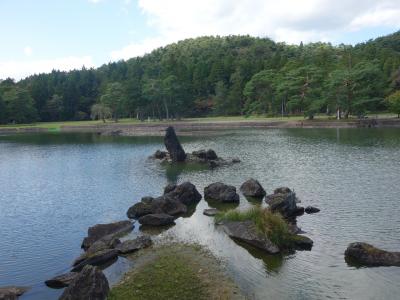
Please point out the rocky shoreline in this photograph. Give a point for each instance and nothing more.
(200, 127)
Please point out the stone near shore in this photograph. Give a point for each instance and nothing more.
(156, 220)
(12, 292)
(252, 188)
(96, 259)
(221, 192)
(99, 231)
(205, 154)
(284, 201)
(90, 284)
(246, 232)
(311, 210)
(367, 255)
(61, 281)
(185, 192)
(210, 212)
(174, 147)
(130, 246)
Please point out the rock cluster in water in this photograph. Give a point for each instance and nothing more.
(176, 153)
(165, 209)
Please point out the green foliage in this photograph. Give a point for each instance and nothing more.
(219, 75)
(393, 102)
(115, 99)
(100, 112)
(273, 225)
(19, 106)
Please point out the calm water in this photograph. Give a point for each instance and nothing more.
(52, 187)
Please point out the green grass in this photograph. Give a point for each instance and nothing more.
(55, 126)
(272, 225)
(167, 277)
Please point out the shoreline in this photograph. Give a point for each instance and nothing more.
(191, 127)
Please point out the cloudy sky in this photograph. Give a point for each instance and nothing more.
(41, 35)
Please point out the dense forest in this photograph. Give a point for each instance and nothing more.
(233, 75)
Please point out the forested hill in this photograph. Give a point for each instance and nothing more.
(215, 76)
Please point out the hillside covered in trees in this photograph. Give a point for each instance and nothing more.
(230, 75)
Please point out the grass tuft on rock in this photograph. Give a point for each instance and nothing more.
(272, 225)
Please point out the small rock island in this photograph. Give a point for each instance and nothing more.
(176, 154)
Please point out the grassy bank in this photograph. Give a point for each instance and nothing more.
(55, 126)
(176, 271)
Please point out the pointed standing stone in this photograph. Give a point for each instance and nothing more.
(173, 146)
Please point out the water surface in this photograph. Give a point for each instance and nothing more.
(54, 186)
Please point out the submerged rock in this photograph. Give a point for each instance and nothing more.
(311, 210)
(156, 219)
(160, 154)
(96, 259)
(205, 154)
(12, 292)
(221, 192)
(301, 242)
(252, 188)
(246, 232)
(61, 281)
(90, 284)
(368, 255)
(210, 212)
(134, 245)
(174, 147)
(99, 231)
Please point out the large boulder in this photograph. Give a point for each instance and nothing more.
(174, 147)
(99, 231)
(185, 192)
(252, 188)
(284, 201)
(368, 255)
(142, 208)
(12, 292)
(61, 281)
(246, 232)
(129, 246)
(156, 219)
(90, 284)
(169, 205)
(96, 259)
(221, 192)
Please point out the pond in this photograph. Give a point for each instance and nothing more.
(54, 186)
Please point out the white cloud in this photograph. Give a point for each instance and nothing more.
(21, 69)
(28, 50)
(94, 1)
(291, 21)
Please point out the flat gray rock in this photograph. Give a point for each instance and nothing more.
(156, 220)
(12, 292)
(61, 281)
(97, 259)
(99, 231)
(246, 232)
(210, 212)
(134, 245)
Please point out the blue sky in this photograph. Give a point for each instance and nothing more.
(39, 35)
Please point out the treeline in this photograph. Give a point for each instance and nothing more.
(230, 75)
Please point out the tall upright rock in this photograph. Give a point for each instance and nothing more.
(173, 146)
